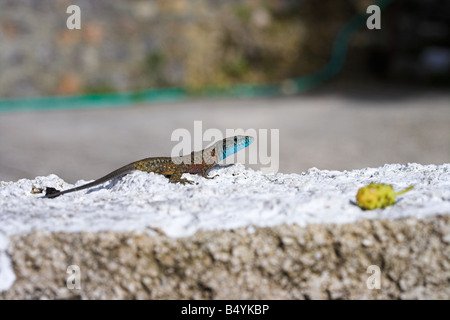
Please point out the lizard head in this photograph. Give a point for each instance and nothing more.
(232, 145)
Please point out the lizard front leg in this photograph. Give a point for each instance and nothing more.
(176, 176)
(204, 172)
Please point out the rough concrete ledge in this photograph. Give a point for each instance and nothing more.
(327, 261)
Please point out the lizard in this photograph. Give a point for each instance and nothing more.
(197, 162)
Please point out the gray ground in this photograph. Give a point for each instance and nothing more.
(330, 129)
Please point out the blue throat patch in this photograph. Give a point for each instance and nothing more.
(238, 145)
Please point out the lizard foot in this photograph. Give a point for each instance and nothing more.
(206, 177)
(184, 181)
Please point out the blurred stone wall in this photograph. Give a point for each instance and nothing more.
(128, 45)
(132, 45)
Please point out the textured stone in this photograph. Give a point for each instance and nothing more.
(283, 262)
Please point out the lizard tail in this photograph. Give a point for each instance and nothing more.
(115, 174)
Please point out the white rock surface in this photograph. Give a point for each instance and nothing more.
(238, 197)
(7, 276)
(142, 230)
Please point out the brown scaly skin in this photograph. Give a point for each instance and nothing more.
(165, 166)
(197, 162)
